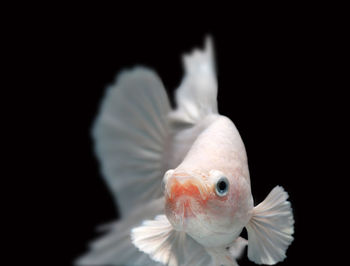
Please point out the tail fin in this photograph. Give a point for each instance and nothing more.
(130, 135)
(196, 96)
(115, 248)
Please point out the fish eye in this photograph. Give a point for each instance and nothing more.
(222, 186)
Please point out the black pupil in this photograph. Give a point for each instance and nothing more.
(222, 185)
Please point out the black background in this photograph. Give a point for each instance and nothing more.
(274, 76)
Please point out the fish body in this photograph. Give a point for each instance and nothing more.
(192, 204)
(181, 177)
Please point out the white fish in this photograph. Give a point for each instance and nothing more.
(192, 214)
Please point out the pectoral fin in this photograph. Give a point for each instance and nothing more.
(162, 243)
(270, 228)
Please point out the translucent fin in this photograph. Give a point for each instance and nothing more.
(162, 243)
(197, 95)
(270, 228)
(116, 248)
(130, 135)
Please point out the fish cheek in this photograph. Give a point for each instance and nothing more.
(219, 206)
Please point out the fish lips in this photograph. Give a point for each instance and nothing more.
(186, 197)
(182, 185)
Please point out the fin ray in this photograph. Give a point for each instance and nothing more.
(270, 228)
(116, 248)
(162, 243)
(131, 129)
(196, 96)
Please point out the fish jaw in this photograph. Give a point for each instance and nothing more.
(185, 198)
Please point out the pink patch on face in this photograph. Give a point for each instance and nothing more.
(182, 195)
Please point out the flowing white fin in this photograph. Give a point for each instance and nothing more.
(197, 95)
(116, 248)
(162, 243)
(270, 229)
(130, 136)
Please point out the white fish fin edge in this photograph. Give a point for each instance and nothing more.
(196, 96)
(130, 134)
(270, 229)
(115, 246)
(163, 244)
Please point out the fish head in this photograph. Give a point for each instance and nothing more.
(208, 206)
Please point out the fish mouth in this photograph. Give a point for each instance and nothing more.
(182, 211)
(186, 199)
(186, 212)
(186, 196)
(183, 185)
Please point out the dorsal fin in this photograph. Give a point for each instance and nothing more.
(197, 95)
